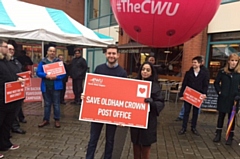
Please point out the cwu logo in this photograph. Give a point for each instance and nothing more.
(148, 7)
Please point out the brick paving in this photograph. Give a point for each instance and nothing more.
(70, 141)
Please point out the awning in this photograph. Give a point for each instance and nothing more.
(133, 47)
(22, 20)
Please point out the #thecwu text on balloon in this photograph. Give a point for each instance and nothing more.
(163, 23)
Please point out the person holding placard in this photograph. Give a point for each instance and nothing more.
(111, 68)
(143, 138)
(18, 68)
(227, 86)
(197, 79)
(7, 110)
(51, 87)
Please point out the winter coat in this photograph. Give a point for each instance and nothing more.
(78, 68)
(227, 87)
(199, 83)
(7, 74)
(148, 136)
(58, 85)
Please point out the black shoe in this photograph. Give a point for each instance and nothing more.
(179, 119)
(182, 131)
(194, 131)
(229, 140)
(19, 131)
(23, 121)
(64, 103)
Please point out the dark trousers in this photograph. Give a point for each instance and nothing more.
(62, 93)
(95, 132)
(220, 121)
(77, 89)
(16, 124)
(21, 116)
(187, 107)
(7, 115)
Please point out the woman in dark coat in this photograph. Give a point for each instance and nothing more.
(143, 138)
(227, 84)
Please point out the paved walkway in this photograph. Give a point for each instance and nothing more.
(70, 141)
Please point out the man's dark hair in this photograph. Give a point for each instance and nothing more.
(78, 49)
(199, 59)
(2, 41)
(111, 46)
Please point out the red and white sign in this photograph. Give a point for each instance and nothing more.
(56, 68)
(115, 100)
(26, 76)
(14, 91)
(34, 94)
(193, 97)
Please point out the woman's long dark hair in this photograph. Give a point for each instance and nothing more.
(153, 77)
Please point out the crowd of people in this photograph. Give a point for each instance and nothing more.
(227, 85)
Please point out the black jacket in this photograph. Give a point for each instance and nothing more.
(7, 74)
(78, 68)
(229, 86)
(199, 83)
(149, 135)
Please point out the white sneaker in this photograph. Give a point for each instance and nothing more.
(1, 155)
(14, 147)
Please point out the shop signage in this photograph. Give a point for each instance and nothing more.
(106, 100)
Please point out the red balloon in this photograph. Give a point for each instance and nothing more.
(163, 23)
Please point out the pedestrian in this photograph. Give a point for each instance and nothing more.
(78, 73)
(7, 110)
(64, 80)
(51, 87)
(227, 86)
(181, 113)
(18, 68)
(143, 138)
(197, 79)
(111, 68)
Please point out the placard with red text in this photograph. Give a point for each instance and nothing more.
(56, 68)
(193, 97)
(26, 76)
(114, 100)
(14, 91)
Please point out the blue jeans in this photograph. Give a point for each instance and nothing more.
(95, 132)
(51, 97)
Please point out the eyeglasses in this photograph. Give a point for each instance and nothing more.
(11, 49)
(4, 46)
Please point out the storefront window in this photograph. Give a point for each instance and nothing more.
(221, 45)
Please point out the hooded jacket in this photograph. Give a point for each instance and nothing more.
(7, 74)
(58, 85)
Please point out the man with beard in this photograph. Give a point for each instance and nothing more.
(78, 72)
(111, 68)
(7, 110)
